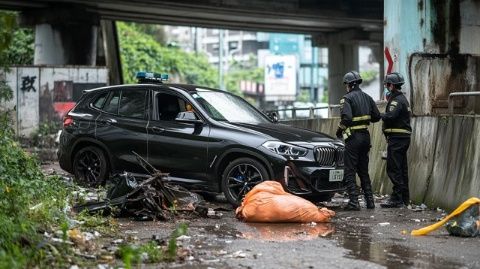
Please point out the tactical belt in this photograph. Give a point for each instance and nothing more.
(396, 131)
(348, 132)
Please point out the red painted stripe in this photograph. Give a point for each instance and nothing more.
(389, 60)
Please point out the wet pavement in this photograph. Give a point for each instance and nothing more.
(378, 238)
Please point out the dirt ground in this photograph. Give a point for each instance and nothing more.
(375, 238)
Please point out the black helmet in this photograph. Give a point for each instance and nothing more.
(394, 78)
(352, 77)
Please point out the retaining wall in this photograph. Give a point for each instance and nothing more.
(444, 158)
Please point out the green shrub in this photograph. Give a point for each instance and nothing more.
(29, 203)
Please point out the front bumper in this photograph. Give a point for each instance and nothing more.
(306, 179)
(305, 176)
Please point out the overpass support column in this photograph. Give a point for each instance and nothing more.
(342, 57)
(63, 36)
(378, 54)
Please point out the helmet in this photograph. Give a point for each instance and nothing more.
(394, 78)
(352, 77)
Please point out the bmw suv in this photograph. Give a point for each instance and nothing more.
(207, 140)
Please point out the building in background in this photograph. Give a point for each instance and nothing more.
(311, 63)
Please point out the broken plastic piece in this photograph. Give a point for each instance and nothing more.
(470, 202)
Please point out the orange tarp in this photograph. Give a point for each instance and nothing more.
(268, 202)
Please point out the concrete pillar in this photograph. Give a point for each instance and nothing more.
(377, 50)
(62, 45)
(65, 35)
(111, 47)
(342, 57)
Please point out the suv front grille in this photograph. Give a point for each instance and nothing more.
(329, 156)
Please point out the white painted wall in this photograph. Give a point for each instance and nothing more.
(26, 104)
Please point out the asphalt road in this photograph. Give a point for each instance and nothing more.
(352, 240)
(378, 238)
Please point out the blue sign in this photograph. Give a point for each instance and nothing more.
(285, 43)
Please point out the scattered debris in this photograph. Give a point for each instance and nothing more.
(154, 198)
(239, 254)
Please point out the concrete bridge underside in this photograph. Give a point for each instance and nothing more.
(340, 25)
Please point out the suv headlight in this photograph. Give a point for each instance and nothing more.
(285, 149)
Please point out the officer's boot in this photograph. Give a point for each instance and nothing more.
(369, 201)
(395, 201)
(353, 204)
(406, 198)
(368, 194)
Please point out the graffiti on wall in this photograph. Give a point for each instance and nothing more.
(28, 83)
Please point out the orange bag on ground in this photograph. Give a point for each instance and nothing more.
(268, 202)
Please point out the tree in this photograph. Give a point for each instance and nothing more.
(16, 44)
(243, 71)
(16, 47)
(141, 52)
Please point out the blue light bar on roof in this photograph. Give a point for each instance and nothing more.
(144, 76)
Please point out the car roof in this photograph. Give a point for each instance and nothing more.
(185, 87)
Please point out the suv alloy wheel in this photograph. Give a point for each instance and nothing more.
(240, 176)
(90, 166)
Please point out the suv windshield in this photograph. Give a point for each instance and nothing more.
(227, 107)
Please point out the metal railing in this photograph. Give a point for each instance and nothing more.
(291, 113)
(457, 94)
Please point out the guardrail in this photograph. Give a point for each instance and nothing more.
(291, 113)
(457, 94)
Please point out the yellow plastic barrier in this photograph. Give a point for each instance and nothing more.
(455, 213)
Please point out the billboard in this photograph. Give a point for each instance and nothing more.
(280, 77)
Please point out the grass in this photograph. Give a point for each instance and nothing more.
(151, 252)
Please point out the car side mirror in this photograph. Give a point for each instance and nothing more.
(187, 117)
(273, 116)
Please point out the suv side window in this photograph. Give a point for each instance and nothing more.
(111, 106)
(132, 103)
(169, 106)
(98, 103)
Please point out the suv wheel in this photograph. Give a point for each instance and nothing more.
(90, 166)
(240, 176)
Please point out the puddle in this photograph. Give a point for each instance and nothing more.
(282, 232)
(359, 241)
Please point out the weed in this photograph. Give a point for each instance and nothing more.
(151, 252)
(172, 243)
(98, 222)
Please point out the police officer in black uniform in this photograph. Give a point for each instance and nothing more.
(358, 110)
(397, 130)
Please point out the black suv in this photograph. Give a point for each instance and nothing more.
(208, 140)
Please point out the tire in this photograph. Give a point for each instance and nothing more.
(240, 176)
(324, 197)
(90, 167)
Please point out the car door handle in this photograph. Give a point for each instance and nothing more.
(156, 129)
(108, 121)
